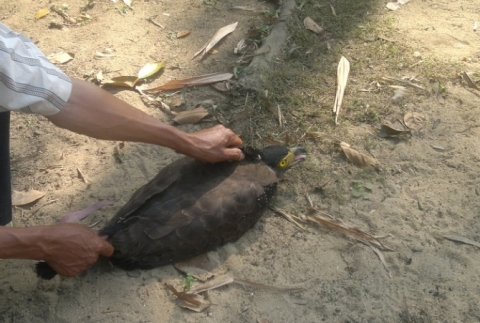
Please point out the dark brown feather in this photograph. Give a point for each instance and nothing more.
(189, 208)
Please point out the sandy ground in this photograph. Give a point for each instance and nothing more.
(429, 185)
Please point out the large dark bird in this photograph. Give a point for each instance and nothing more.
(190, 207)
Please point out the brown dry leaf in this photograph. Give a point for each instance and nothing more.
(60, 58)
(183, 33)
(149, 69)
(191, 116)
(42, 13)
(462, 240)
(389, 131)
(221, 33)
(342, 229)
(358, 158)
(314, 135)
(22, 198)
(221, 86)
(312, 25)
(123, 81)
(191, 301)
(194, 81)
(414, 120)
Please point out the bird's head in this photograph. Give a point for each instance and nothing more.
(281, 158)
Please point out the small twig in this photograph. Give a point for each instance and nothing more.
(63, 15)
(44, 204)
(150, 19)
(292, 218)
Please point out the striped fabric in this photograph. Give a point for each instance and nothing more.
(28, 81)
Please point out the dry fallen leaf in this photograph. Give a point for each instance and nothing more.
(314, 135)
(221, 33)
(191, 116)
(60, 58)
(414, 120)
(312, 25)
(389, 131)
(22, 198)
(124, 81)
(462, 240)
(343, 70)
(191, 301)
(183, 33)
(149, 69)
(352, 233)
(41, 13)
(221, 86)
(194, 81)
(358, 158)
(393, 6)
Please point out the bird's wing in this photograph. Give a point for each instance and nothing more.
(165, 178)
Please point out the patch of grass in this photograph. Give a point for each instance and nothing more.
(187, 282)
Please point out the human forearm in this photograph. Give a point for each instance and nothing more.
(96, 113)
(21, 243)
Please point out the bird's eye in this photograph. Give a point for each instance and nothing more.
(283, 163)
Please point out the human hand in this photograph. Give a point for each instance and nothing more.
(70, 248)
(215, 144)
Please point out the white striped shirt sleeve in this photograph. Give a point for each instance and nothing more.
(29, 82)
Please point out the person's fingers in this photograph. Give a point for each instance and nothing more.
(234, 141)
(234, 154)
(107, 249)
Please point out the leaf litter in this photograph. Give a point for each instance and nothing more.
(312, 25)
(193, 81)
(27, 197)
(357, 158)
(343, 70)
(414, 121)
(191, 116)
(326, 221)
(461, 239)
(130, 81)
(219, 35)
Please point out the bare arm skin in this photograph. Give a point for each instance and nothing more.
(96, 113)
(68, 248)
